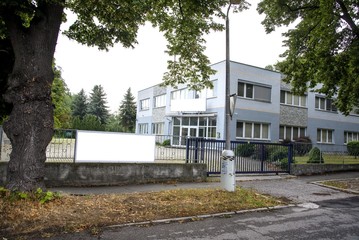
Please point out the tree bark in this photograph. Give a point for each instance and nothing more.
(30, 124)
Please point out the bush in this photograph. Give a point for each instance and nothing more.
(245, 150)
(302, 146)
(315, 156)
(166, 142)
(278, 154)
(353, 148)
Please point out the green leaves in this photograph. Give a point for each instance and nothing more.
(323, 50)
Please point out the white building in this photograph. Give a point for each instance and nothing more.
(265, 110)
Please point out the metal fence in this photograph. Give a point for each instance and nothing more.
(62, 146)
(250, 157)
(322, 153)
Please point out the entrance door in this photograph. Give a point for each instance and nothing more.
(187, 131)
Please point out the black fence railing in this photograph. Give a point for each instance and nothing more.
(250, 157)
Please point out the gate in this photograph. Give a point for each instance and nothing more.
(250, 157)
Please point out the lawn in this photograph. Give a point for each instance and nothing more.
(330, 159)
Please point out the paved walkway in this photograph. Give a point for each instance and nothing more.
(298, 189)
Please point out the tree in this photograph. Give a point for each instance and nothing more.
(323, 48)
(61, 100)
(97, 104)
(79, 105)
(33, 27)
(127, 112)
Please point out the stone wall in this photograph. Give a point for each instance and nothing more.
(311, 169)
(106, 174)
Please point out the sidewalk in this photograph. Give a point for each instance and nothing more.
(298, 189)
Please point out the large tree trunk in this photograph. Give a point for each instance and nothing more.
(30, 124)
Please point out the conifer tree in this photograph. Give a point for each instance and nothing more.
(80, 105)
(127, 112)
(98, 104)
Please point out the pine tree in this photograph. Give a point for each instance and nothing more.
(97, 105)
(127, 112)
(80, 105)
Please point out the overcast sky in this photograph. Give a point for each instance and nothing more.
(142, 67)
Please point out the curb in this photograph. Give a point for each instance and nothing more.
(320, 183)
(198, 217)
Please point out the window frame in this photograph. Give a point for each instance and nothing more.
(325, 133)
(158, 128)
(291, 129)
(325, 104)
(251, 133)
(145, 104)
(289, 99)
(159, 101)
(249, 91)
(355, 136)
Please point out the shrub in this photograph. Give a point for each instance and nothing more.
(315, 156)
(166, 142)
(353, 148)
(302, 146)
(279, 153)
(245, 150)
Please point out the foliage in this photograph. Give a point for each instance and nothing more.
(245, 150)
(113, 124)
(323, 46)
(127, 112)
(315, 156)
(302, 146)
(39, 195)
(166, 142)
(353, 148)
(89, 122)
(279, 153)
(98, 104)
(61, 99)
(79, 105)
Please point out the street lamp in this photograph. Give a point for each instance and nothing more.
(228, 171)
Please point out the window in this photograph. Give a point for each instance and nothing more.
(325, 136)
(158, 128)
(252, 130)
(325, 104)
(145, 104)
(256, 92)
(351, 136)
(193, 126)
(291, 132)
(159, 101)
(291, 99)
(143, 128)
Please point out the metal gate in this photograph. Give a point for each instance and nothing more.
(250, 157)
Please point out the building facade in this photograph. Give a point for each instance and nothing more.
(265, 110)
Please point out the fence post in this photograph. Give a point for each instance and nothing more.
(290, 156)
(187, 150)
(196, 150)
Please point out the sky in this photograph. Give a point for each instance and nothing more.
(142, 67)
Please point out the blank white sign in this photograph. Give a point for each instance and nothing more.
(94, 146)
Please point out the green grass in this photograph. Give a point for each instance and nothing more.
(330, 159)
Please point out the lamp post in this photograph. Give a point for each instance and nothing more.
(228, 173)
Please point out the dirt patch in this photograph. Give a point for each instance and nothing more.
(75, 213)
(345, 184)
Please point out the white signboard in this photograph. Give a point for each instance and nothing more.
(101, 147)
(188, 105)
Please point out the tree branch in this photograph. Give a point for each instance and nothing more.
(347, 18)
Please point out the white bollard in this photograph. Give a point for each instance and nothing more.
(228, 171)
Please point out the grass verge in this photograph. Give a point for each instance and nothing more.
(75, 213)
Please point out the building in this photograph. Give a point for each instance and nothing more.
(265, 110)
